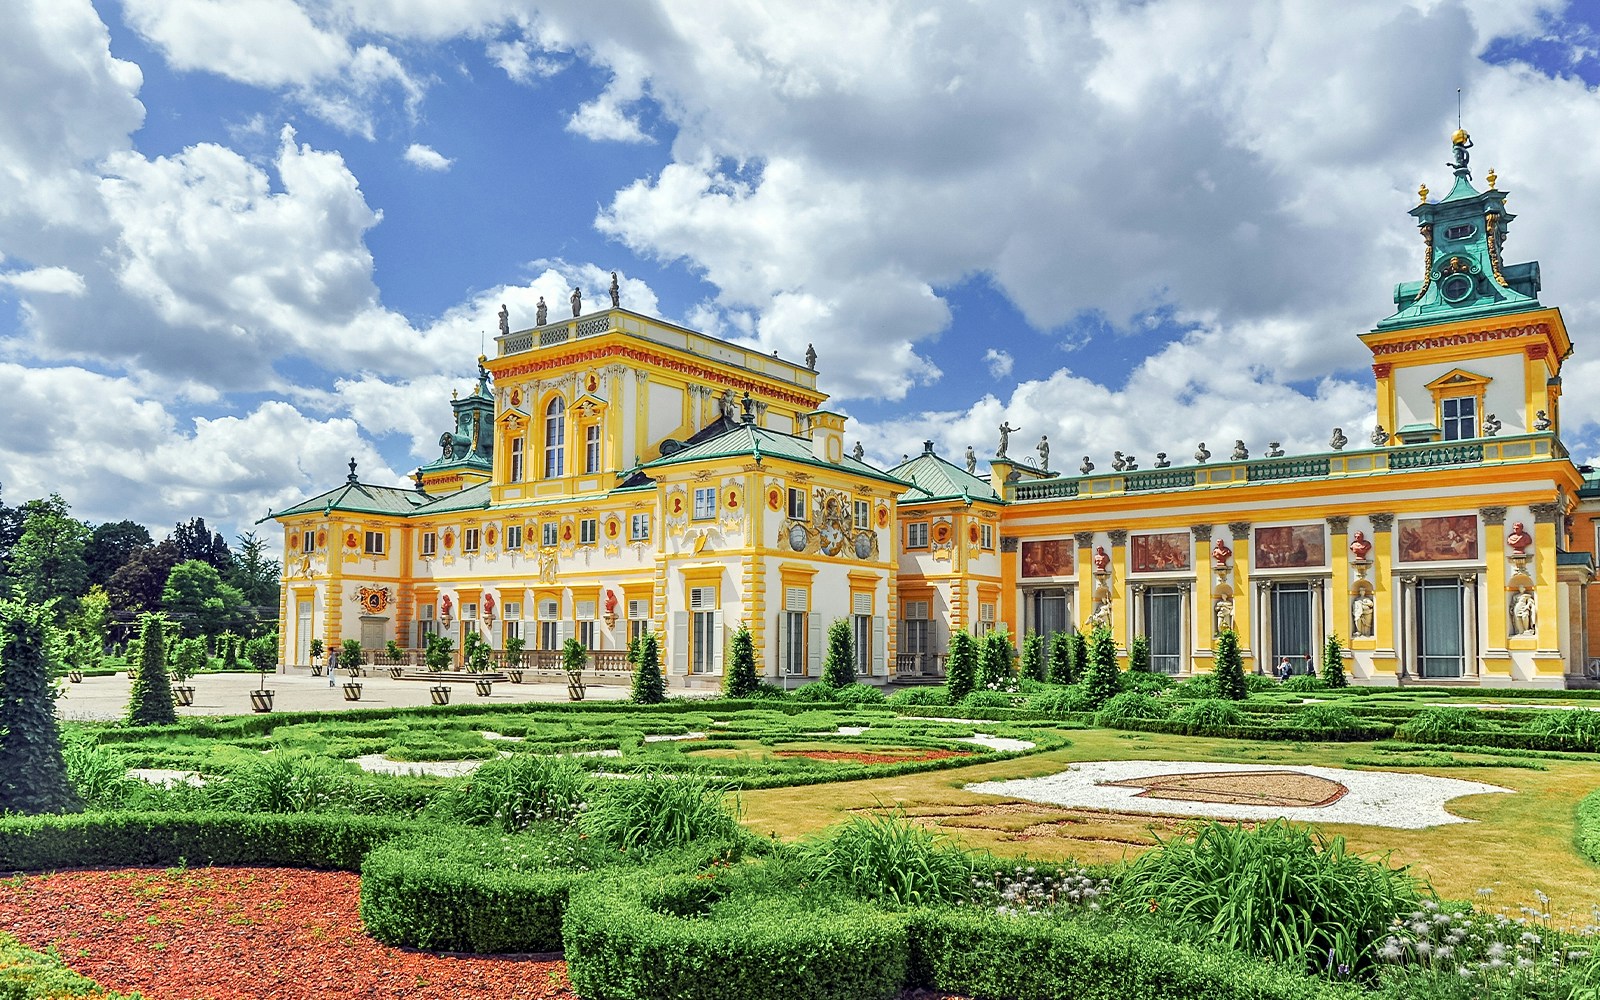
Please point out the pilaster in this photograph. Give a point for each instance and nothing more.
(1495, 659)
(1205, 621)
(1384, 658)
(1339, 559)
(1242, 612)
(1119, 604)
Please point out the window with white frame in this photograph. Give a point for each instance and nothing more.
(916, 629)
(555, 438)
(986, 619)
(514, 536)
(705, 503)
(986, 536)
(584, 613)
(552, 533)
(426, 624)
(638, 619)
(1459, 414)
(549, 623)
(797, 504)
(591, 448)
(309, 543)
(469, 540)
(792, 630)
(372, 543)
(861, 631)
(516, 459)
(511, 619)
(917, 535)
(430, 543)
(588, 531)
(702, 629)
(863, 512)
(469, 611)
(639, 528)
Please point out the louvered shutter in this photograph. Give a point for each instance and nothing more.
(679, 652)
(813, 645)
(880, 645)
(718, 640)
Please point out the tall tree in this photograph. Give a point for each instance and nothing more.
(33, 776)
(199, 601)
(114, 542)
(10, 530)
(138, 585)
(254, 572)
(47, 561)
(196, 541)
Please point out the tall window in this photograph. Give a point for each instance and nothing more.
(430, 543)
(702, 629)
(986, 535)
(310, 543)
(511, 620)
(917, 535)
(469, 540)
(705, 503)
(585, 617)
(861, 631)
(588, 531)
(638, 619)
(426, 624)
(1441, 651)
(986, 619)
(1163, 624)
(1049, 612)
(863, 515)
(916, 629)
(591, 448)
(551, 532)
(792, 630)
(1291, 625)
(639, 528)
(516, 459)
(549, 625)
(514, 536)
(1460, 416)
(797, 504)
(555, 437)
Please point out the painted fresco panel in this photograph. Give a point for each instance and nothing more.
(1290, 545)
(1050, 557)
(1160, 553)
(1438, 539)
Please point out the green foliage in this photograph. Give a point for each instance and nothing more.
(150, 700)
(437, 652)
(46, 563)
(1034, 658)
(1103, 680)
(984, 698)
(1058, 700)
(191, 659)
(961, 668)
(316, 647)
(574, 657)
(916, 696)
(1130, 706)
(739, 680)
(1304, 684)
(1333, 663)
(839, 665)
(230, 650)
(28, 975)
(1277, 891)
(1437, 722)
(1208, 715)
(1587, 834)
(1066, 663)
(1146, 682)
(889, 859)
(33, 776)
(88, 628)
(1579, 725)
(696, 936)
(815, 691)
(350, 654)
(1324, 717)
(513, 793)
(1139, 655)
(97, 775)
(262, 654)
(253, 573)
(995, 658)
(513, 649)
(392, 650)
(1230, 667)
(197, 599)
(655, 811)
(649, 687)
(859, 694)
(475, 651)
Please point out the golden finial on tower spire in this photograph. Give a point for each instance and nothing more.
(1491, 178)
(1422, 192)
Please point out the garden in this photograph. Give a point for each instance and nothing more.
(1043, 825)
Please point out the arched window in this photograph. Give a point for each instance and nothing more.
(555, 436)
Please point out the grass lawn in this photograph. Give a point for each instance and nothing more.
(1519, 844)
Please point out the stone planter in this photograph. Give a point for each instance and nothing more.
(75, 676)
(396, 671)
(575, 690)
(261, 700)
(352, 691)
(184, 693)
(483, 686)
(440, 694)
(515, 674)
(316, 670)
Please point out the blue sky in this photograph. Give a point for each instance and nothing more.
(243, 240)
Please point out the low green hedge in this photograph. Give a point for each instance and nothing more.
(28, 975)
(1269, 731)
(444, 893)
(690, 936)
(976, 953)
(1511, 739)
(1587, 835)
(122, 839)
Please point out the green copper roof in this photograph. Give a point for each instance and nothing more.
(1464, 276)
(936, 479)
(749, 440)
(471, 498)
(359, 498)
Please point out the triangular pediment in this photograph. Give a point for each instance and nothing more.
(1458, 378)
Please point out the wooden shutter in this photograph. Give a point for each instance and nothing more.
(880, 645)
(813, 645)
(679, 650)
(782, 643)
(717, 641)
(861, 604)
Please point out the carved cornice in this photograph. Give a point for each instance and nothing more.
(665, 362)
(1381, 522)
(1240, 530)
(1456, 339)
(1339, 524)
(1492, 515)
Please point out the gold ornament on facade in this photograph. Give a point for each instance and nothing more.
(1491, 178)
(1422, 192)
(1427, 256)
(1491, 232)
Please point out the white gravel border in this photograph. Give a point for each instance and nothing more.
(1375, 798)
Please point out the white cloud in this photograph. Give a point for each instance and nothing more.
(1000, 362)
(46, 280)
(427, 158)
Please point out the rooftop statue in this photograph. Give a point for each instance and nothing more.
(972, 460)
(1006, 430)
(1240, 452)
(1338, 441)
(577, 301)
(505, 320)
(1202, 453)
(541, 312)
(616, 291)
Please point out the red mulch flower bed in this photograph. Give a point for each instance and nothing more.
(227, 933)
(859, 757)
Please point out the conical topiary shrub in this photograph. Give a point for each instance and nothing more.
(649, 687)
(33, 777)
(1230, 667)
(961, 671)
(839, 666)
(150, 701)
(1105, 680)
(995, 657)
(740, 680)
(1034, 666)
(1139, 654)
(1333, 663)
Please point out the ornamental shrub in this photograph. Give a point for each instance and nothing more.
(1139, 655)
(1063, 665)
(914, 696)
(859, 694)
(1034, 661)
(437, 652)
(1333, 663)
(1230, 667)
(889, 859)
(1438, 722)
(1208, 715)
(262, 652)
(1578, 724)
(512, 793)
(740, 679)
(475, 651)
(230, 650)
(33, 776)
(961, 671)
(654, 811)
(985, 698)
(839, 666)
(574, 657)
(150, 701)
(649, 687)
(1304, 684)
(815, 691)
(1059, 699)
(1104, 680)
(995, 658)
(1324, 717)
(1147, 682)
(1130, 706)
(350, 653)
(316, 648)
(191, 659)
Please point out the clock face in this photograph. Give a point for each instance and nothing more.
(1456, 288)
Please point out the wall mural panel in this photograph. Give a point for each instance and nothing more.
(1290, 545)
(1050, 557)
(1438, 539)
(1160, 553)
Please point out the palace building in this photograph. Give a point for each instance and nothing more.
(612, 474)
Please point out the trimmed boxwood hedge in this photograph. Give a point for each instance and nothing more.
(978, 953)
(1587, 835)
(1512, 739)
(121, 839)
(27, 975)
(1269, 731)
(691, 936)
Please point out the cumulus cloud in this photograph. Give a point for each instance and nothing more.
(1000, 362)
(46, 280)
(427, 158)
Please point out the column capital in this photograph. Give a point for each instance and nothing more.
(1084, 539)
(1492, 515)
(1381, 522)
(1201, 532)
(1545, 513)
(1239, 529)
(1008, 543)
(1339, 524)
(1118, 536)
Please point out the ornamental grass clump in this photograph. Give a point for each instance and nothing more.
(1278, 891)
(1058, 700)
(513, 793)
(1324, 717)
(1130, 707)
(889, 859)
(1208, 715)
(1437, 723)
(655, 811)
(1577, 724)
